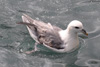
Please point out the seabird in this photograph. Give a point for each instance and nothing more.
(53, 37)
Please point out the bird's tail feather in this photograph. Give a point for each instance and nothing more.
(27, 19)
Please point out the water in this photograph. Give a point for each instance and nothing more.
(14, 37)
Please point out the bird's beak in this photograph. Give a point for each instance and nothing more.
(84, 32)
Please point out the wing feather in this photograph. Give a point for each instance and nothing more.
(45, 32)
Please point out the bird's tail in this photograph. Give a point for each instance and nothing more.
(30, 23)
(27, 19)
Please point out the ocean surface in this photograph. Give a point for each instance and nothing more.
(15, 38)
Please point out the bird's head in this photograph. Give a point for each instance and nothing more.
(76, 26)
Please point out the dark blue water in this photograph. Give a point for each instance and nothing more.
(14, 37)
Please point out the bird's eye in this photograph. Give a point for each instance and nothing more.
(77, 27)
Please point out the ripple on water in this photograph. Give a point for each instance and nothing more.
(58, 12)
(93, 63)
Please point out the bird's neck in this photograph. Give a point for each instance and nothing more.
(70, 39)
(67, 34)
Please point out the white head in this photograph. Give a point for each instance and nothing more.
(76, 26)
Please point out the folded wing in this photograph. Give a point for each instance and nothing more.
(44, 33)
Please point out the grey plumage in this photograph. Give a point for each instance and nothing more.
(46, 33)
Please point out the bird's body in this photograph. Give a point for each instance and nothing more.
(52, 36)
